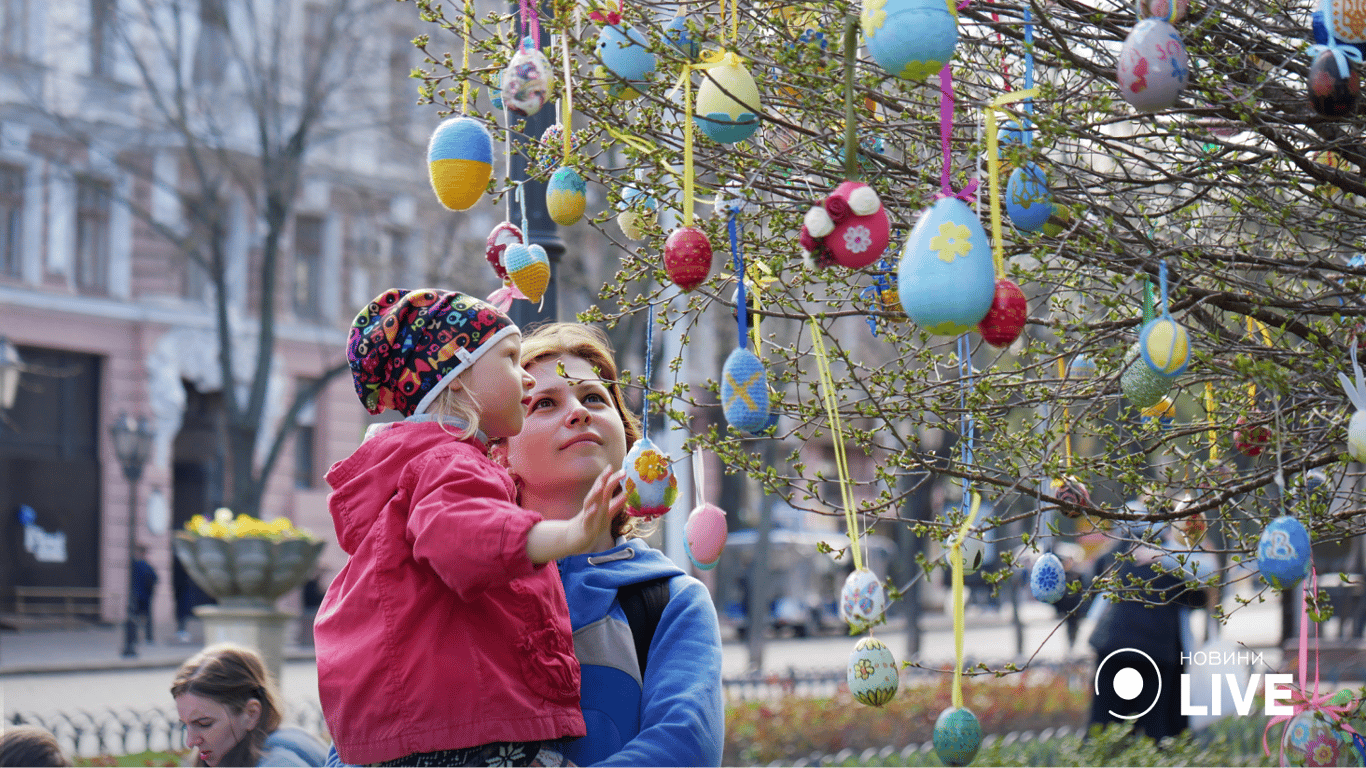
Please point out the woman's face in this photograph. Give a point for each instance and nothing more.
(572, 429)
(211, 729)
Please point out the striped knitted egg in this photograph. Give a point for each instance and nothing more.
(460, 162)
(872, 673)
(650, 484)
(529, 268)
(1165, 346)
(705, 536)
(565, 197)
(1142, 385)
(744, 391)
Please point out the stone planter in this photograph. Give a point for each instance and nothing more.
(247, 571)
(247, 575)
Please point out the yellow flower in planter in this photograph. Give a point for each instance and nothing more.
(225, 526)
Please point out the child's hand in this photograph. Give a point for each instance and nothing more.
(553, 539)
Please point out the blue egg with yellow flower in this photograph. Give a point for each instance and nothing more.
(946, 279)
(910, 39)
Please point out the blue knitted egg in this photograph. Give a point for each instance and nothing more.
(744, 392)
(1283, 552)
(1047, 580)
(1028, 201)
(957, 736)
(566, 196)
(910, 39)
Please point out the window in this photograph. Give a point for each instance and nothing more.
(308, 265)
(305, 441)
(211, 53)
(11, 219)
(14, 28)
(92, 234)
(102, 38)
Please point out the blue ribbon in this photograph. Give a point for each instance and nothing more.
(1027, 132)
(741, 307)
(964, 383)
(1341, 53)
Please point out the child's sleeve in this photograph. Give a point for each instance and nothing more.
(464, 528)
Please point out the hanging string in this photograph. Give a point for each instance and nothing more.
(956, 558)
(965, 421)
(994, 174)
(837, 439)
(1147, 300)
(1253, 326)
(741, 310)
(566, 119)
(465, 39)
(649, 370)
(851, 165)
(698, 478)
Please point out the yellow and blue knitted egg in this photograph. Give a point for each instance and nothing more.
(528, 267)
(727, 103)
(460, 162)
(1028, 201)
(872, 673)
(744, 392)
(1283, 552)
(650, 484)
(625, 55)
(946, 278)
(910, 39)
(565, 196)
(957, 736)
(1165, 346)
(1047, 579)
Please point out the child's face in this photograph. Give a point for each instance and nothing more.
(500, 386)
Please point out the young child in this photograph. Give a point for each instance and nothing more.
(445, 640)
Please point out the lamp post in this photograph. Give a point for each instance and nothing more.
(11, 365)
(132, 445)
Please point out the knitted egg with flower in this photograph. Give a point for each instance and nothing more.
(850, 226)
(650, 484)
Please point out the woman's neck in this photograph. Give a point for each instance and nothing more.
(562, 504)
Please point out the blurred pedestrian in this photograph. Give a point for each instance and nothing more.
(29, 745)
(1072, 607)
(144, 585)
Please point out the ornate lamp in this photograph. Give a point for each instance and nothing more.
(132, 446)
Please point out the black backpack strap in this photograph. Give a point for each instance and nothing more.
(643, 603)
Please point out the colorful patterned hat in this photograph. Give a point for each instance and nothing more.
(406, 346)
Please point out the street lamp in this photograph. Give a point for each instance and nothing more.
(132, 445)
(11, 365)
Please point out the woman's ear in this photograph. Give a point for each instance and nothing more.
(253, 712)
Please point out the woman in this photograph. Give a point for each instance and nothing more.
(577, 424)
(30, 746)
(231, 714)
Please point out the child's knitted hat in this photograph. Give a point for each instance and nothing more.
(406, 346)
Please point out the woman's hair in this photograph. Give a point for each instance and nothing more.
(232, 676)
(30, 745)
(590, 344)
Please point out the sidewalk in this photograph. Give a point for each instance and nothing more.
(98, 647)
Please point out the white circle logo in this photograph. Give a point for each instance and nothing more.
(1127, 682)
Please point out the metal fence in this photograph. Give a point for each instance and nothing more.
(828, 682)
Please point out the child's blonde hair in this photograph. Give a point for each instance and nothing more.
(450, 404)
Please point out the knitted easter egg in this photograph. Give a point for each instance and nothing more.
(1349, 20)
(1283, 552)
(1141, 384)
(496, 90)
(957, 736)
(705, 536)
(946, 278)
(499, 239)
(1165, 346)
(650, 484)
(744, 391)
(910, 39)
(1081, 367)
(565, 196)
(1071, 490)
(637, 211)
(1006, 318)
(1160, 9)
(550, 151)
(687, 257)
(626, 56)
(529, 269)
(687, 43)
(862, 601)
(1356, 436)
(728, 102)
(1250, 438)
(1047, 581)
(872, 674)
(1333, 90)
(460, 162)
(1310, 740)
(1163, 410)
(1153, 66)
(527, 80)
(1028, 201)
(850, 225)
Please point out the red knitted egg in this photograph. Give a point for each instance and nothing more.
(687, 257)
(1251, 440)
(1007, 315)
(500, 238)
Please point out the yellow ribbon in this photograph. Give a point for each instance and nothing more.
(465, 89)
(1253, 326)
(956, 557)
(709, 59)
(635, 141)
(1209, 416)
(566, 122)
(994, 170)
(1066, 421)
(837, 439)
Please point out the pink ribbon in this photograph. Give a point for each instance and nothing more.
(502, 298)
(1301, 700)
(945, 132)
(532, 19)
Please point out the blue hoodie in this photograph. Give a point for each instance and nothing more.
(675, 716)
